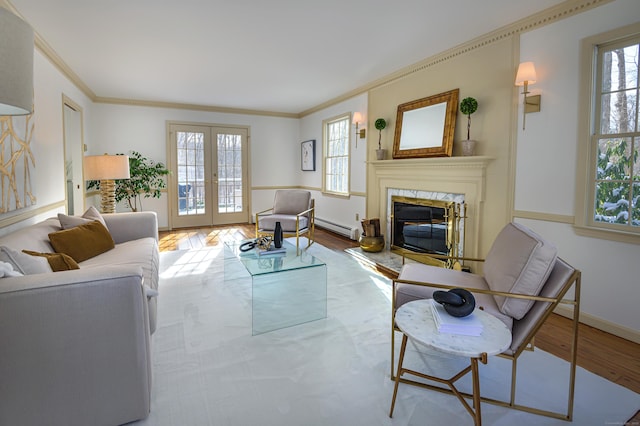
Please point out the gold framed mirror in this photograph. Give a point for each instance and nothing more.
(425, 127)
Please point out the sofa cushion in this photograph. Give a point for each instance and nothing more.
(520, 262)
(83, 241)
(67, 222)
(57, 261)
(33, 237)
(24, 263)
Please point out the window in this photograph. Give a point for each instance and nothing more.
(336, 155)
(611, 151)
(617, 137)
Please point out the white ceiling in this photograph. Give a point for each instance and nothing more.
(271, 55)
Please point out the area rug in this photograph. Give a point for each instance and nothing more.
(208, 369)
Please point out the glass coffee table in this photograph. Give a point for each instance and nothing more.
(286, 289)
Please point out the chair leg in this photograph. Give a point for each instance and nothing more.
(397, 381)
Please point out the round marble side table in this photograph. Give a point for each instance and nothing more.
(415, 321)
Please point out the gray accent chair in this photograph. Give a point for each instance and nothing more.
(523, 282)
(295, 210)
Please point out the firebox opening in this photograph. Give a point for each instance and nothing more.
(424, 226)
(420, 228)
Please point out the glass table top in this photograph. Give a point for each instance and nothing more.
(269, 263)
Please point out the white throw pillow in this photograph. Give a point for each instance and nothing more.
(24, 263)
(67, 222)
(6, 270)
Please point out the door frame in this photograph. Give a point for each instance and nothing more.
(172, 187)
(79, 194)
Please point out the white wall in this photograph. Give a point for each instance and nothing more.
(274, 143)
(546, 164)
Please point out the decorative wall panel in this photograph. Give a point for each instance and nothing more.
(16, 162)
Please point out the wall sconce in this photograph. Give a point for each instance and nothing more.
(357, 119)
(16, 65)
(106, 168)
(527, 75)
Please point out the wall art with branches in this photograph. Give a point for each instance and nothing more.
(16, 162)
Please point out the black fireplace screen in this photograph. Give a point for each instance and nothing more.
(422, 225)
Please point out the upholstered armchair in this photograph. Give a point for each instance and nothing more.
(523, 282)
(295, 210)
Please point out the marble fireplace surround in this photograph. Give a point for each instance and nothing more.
(456, 178)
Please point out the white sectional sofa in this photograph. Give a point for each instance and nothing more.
(75, 344)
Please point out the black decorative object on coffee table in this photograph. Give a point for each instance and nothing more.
(277, 235)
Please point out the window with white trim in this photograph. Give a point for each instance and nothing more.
(336, 149)
(617, 139)
(611, 154)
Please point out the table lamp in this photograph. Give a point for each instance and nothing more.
(106, 168)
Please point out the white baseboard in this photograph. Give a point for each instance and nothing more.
(351, 233)
(600, 324)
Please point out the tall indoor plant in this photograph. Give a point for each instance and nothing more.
(468, 106)
(380, 124)
(147, 179)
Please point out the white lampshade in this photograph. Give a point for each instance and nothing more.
(357, 118)
(526, 73)
(16, 65)
(106, 167)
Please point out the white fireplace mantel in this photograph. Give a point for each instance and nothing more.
(459, 175)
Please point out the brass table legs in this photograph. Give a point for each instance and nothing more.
(474, 410)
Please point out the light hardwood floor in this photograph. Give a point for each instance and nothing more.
(606, 355)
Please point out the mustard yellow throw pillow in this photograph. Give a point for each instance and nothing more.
(83, 241)
(57, 261)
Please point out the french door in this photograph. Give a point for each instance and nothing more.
(209, 183)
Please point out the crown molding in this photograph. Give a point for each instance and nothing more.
(195, 107)
(553, 14)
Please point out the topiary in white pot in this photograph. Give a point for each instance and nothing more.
(468, 106)
(380, 124)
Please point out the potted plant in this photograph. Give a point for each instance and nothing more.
(147, 178)
(380, 124)
(468, 106)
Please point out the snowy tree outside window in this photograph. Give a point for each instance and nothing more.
(617, 136)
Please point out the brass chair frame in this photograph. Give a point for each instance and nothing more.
(309, 230)
(574, 280)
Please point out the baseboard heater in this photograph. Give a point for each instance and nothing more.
(352, 233)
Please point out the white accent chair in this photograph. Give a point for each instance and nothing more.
(523, 282)
(295, 210)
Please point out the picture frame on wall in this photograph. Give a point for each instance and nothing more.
(308, 155)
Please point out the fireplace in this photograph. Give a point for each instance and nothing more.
(426, 226)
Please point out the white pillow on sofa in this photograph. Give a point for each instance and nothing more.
(67, 222)
(6, 270)
(24, 263)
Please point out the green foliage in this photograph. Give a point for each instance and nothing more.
(616, 201)
(468, 106)
(147, 179)
(380, 124)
